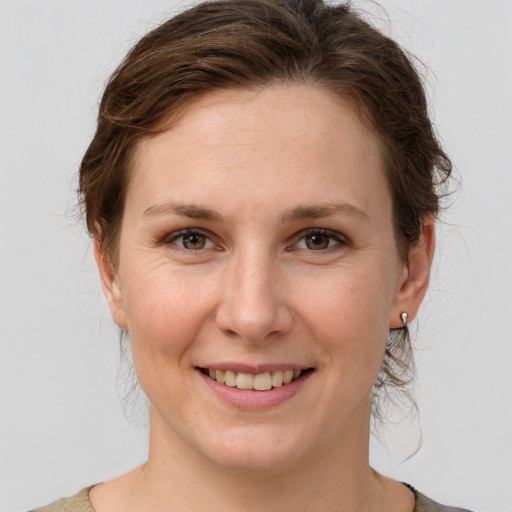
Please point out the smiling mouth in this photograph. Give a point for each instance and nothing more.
(255, 382)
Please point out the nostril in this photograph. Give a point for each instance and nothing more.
(254, 324)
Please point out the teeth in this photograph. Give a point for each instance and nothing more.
(230, 378)
(262, 382)
(277, 378)
(287, 376)
(219, 376)
(244, 380)
(248, 381)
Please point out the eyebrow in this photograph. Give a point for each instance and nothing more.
(299, 213)
(324, 210)
(189, 211)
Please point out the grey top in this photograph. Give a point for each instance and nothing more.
(424, 504)
(80, 503)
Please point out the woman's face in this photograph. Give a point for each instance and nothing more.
(257, 240)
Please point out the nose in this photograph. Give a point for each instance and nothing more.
(254, 300)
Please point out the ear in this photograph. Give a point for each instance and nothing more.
(416, 275)
(111, 285)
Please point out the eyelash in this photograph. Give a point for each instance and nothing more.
(174, 237)
(338, 238)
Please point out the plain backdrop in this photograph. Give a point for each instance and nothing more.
(61, 421)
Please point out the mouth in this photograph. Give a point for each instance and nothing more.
(255, 382)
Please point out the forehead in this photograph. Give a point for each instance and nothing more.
(286, 142)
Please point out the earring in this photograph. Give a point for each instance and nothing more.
(404, 316)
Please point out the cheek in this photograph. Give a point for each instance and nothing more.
(358, 301)
(166, 312)
(348, 316)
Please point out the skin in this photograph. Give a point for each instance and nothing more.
(260, 169)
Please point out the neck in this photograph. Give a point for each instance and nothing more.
(337, 477)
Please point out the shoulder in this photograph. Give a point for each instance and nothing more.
(77, 503)
(424, 504)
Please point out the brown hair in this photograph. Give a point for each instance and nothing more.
(253, 43)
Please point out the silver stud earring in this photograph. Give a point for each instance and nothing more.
(404, 316)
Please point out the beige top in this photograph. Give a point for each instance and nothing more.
(80, 503)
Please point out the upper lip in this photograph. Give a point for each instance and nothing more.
(254, 368)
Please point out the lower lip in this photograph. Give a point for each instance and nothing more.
(250, 399)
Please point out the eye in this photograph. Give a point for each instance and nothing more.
(320, 240)
(190, 240)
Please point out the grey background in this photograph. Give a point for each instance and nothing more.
(61, 421)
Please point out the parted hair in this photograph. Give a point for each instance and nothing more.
(247, 44)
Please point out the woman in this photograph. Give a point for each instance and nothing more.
(262, 191)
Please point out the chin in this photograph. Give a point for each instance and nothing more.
(256, 453)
